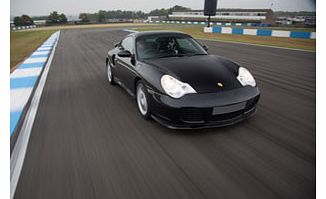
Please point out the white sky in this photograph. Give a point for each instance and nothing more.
(44, 7)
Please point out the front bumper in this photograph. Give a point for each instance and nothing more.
(204, 110)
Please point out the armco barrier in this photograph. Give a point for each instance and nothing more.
(260, 32)
(212, 23)
(24, 79)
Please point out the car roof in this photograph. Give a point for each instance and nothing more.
(160, 32)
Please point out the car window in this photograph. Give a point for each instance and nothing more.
(159, 46)
(187, 45)
(127, 44)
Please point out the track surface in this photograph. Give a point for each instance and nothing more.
(88, 140)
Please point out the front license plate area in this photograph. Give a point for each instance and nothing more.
(228, 109)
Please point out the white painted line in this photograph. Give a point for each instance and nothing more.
(260, 45)
(128, 30)
(26, 72)
(46, 45)
(44, 48)
(35, 60)
(41, 53)
(19, 98)
(19, 151)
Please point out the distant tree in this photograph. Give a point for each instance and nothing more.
(165, 12)
(84, 17)
(159, 12)
(101, 16)
(17, 21)
(62, 18)
(24, 20)
(178, 8)
(53, 17)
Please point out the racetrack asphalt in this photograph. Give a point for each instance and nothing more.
(89, 141)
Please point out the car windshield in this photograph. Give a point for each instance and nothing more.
(161, 46)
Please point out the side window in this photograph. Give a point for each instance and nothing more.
(127, 44)
(186, 45)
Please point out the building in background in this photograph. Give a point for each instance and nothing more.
(300, 21)
(40, 22)
(261, 16)
(155, 18)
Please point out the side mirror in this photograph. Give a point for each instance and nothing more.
(124, 53)
(117, 44)
(133, 59)
(205, 47)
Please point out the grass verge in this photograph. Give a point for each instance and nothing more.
(23, 43)
(197, 32)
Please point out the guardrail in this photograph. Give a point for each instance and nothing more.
(22, 27)
(212, 23)
(260, 32)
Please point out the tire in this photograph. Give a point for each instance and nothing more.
(109, 73)
(142, 98)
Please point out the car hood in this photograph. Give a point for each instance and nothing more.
(205, 73)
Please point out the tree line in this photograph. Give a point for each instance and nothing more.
(53, 18)
(101, 16)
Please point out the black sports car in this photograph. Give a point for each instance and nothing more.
(176, 82)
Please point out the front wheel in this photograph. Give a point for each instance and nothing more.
(110, 75)
(143, 100)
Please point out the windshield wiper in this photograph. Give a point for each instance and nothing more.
(172, 55)
(195, 54)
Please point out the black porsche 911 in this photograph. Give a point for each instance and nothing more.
(176, 82)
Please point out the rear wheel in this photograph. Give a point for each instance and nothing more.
(110, 75)
(143, 100)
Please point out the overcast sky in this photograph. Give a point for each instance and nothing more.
(44, 7)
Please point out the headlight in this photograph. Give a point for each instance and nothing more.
(174, 87)
(245, 77)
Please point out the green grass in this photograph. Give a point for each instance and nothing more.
(197, 32)
(23, 43)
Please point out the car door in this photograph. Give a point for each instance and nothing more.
(126, 70)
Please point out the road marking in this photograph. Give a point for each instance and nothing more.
(25, 72)
(128, 30)
(32, 65)
(22, 82)
(35, 60)
(21, 95)
(19, 151)
(44, 48)
(41, 52)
